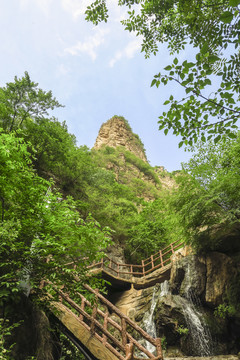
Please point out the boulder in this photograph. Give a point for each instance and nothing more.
(188, 277)
(220, 272)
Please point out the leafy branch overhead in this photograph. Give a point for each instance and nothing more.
(208, 78)
(21, 100)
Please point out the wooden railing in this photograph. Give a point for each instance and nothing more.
(152, 263)
(118, 333)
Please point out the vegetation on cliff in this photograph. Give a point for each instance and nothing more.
(207, 196)
(61, 203)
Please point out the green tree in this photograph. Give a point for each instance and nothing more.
(38, 225)
(56, 156)
(22, 99)
(150, 230)
(209, 105)
(207, 197)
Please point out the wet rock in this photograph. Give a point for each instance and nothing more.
(188, 276)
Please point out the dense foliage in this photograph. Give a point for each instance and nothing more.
(60, 203)
(207, 197)
(208, 78)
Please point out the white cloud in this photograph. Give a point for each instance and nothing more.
(44, 5)
(75, 7)
(128, 52)
(90, 45)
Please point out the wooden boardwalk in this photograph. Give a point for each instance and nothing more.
(154, 269)
(100, 327)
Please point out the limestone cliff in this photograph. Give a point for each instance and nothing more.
(118, 149)
(117, 132)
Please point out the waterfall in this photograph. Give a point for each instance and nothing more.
(198, 330)
(148, 320)
(201, 337)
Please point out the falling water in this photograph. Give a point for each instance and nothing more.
(201, 337)
(148, 320)
(198, 330)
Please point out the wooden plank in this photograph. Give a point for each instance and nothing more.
(129, 351)
(159, 348)
(73, 324)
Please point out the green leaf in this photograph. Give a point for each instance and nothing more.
(168, 68)
(153, 82)
(204, 48)
(175, 61)
(226, 17)
(213, 58)
(166, 102)
(234, 2)
(217, 139)
(232, 135)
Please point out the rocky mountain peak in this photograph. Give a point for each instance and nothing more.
(117, 132)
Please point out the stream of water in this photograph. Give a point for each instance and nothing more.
(198, 330)
(148, 320)
(201, 337)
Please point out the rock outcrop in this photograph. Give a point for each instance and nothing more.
(220, 273)
(117, 132)
(197, 286)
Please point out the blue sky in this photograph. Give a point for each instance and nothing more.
(96, 72)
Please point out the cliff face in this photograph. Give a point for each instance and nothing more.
(117, 132)
(124, 154)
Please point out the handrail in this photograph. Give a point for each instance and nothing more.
(117, 336)
(152, 263)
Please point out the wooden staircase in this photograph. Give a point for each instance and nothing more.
(103, 329)
(155, 268)
(100, 327)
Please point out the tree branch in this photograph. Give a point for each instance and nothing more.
(205, 98)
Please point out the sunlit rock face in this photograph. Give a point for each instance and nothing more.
(220, 273)
(117, 132)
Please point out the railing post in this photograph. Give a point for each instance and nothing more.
(102, 263)
(152, 261)
(124, 332)
(159, 348)
(143, 268)
(92, 326)
(129, 351)
(131, 269)
(172, 248)
(105, 324)
(161, 258)
(94, 314)
(82, 308)
(118, 270)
